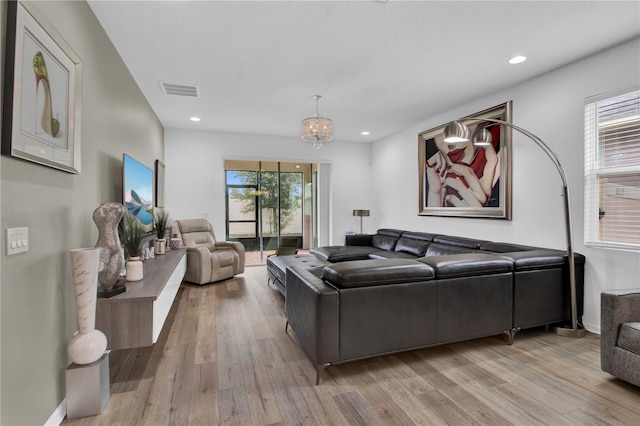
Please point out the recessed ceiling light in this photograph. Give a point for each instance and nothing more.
(517, 59)
(195, 119)
(365, 133)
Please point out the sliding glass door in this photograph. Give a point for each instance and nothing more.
(268, 201)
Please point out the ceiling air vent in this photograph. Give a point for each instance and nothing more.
(180, 89)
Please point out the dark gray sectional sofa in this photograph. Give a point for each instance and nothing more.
(400, 290)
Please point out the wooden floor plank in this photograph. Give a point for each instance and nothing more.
(203, 407)
(223, 358)
(234, 407)
(323, 407)
(261, 397)
(356, 410)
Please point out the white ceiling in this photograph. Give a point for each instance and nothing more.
(380, 66)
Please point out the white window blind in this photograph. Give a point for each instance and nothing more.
(612, 171)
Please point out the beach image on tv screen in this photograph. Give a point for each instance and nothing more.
(138, 191)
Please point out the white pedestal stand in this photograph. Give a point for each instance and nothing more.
(87, 388)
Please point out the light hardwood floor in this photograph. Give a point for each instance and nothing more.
(223, 358)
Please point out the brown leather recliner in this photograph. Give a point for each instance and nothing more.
(208, 260)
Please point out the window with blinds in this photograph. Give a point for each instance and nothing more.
(612, 171)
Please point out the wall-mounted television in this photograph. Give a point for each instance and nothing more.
(137, 188)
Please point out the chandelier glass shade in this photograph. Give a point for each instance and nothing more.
(317, 129)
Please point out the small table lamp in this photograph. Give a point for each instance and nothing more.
(361, 214)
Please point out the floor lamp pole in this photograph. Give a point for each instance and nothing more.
(575, 330)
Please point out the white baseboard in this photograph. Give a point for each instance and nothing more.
(593, 328)
(58, 415)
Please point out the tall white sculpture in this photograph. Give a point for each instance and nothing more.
(89, 344)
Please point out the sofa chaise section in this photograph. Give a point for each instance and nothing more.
(365, 308)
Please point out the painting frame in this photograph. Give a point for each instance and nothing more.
(160, 179)
(467, 181)
(42, 92)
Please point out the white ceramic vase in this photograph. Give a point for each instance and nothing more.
(89, 344)
(135, 271)
(161, 246)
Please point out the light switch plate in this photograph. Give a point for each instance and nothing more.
(17, 240)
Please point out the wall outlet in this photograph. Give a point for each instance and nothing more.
(17, 240)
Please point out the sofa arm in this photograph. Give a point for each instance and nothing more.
(198, 265)
(238, 247)
(358, 240)
(311, 307)
(615, 309)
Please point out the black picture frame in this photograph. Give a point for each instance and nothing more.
(160, 177)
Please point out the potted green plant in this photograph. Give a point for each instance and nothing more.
(132, 235)
(161, 217)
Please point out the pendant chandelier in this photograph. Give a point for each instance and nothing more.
(317, 129)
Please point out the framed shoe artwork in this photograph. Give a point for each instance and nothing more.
(42, 92)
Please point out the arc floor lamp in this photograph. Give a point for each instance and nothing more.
(457, 131)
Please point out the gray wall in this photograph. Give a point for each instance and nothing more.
(37, 301)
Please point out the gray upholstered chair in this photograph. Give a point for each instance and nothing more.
(620, 334)
(208, 260)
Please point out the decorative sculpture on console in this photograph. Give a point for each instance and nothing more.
(107, 217)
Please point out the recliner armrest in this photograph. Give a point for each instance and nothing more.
(198, 265)
(238, 247)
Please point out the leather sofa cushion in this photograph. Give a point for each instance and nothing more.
(465, 265)
(384, 242)
(222, 258)
(436, 249)
(629, 337)
(415, 246)
(278, 264)
(335, 254)
(373, 272)
(535, 259)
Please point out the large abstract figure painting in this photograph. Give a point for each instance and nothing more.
(463, 178)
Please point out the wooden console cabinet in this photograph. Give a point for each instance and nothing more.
(135, 318)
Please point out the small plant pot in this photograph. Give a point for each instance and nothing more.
(160, 246)
(135, 271)
(176, 243)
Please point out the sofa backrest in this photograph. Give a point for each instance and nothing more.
(468, 243)
(438, 249)
(415, 243)
(196, 233)
(386, 239)
(504, 247)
